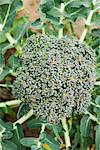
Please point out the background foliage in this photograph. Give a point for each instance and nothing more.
(84, 130)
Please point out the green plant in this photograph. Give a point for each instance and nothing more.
(57, 18)
(11, 35)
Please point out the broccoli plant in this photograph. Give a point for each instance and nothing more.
(57, 80)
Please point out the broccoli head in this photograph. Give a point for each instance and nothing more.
(56, 76)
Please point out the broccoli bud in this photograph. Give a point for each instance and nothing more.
(56, 76)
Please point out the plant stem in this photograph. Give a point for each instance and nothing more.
(66, 133)
(5, 85)
(12, 103)
(42, 130)
(18, 49)
(72, 29)
(60, 33)
(12, 42)
(92, 117)
(10, 38)
(88, 148)
(70, 1)
(24, 118)
(97, 83)
(83, 34)
(43, 28)
(95, 105)
(87, 23)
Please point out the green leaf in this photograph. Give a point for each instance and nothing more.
(1, 114)
(85, 3)
(29, 142)
(2, 63)
(97, 6)
(33, 147)
(53, 20)
(96, 19)
(35, 123)
(7, 135)
(79, 3)
(37, 24)
(2, 125)
(42, 16)
(97, 100)
(9, 126)
(13, 62)
(46, 5)
(6, 17)
(85, 126)
(23, 109)
(6, 129)
(75, 10)
(98, 73)
(2, 2)
(57, 129)
(77, 138)
(97, 109)
(4, 47)
(19, 28)
(8, 145)
(5, 72)
(17, 135)
(98, 116)
(47, 139)
(2, 129)
(8, 13)
(19, 131)
(86, 142)
(8, 110)
(97, 139)
(55, 12)
(18, 4)
(2, 37)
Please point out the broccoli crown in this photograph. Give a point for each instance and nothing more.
(56, 76)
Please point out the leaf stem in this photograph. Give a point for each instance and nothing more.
(72, 29)
(66, 133)
(5, 85)
(70, 1)
(10, 38)
(43, 28)
(98, 106)
(13, 42)
(92, 117)
(24, 118)
(12, 103)
(60, 33)
(88, 148)
(42, 130)
(87, 23)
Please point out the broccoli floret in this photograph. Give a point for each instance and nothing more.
(56, 77)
